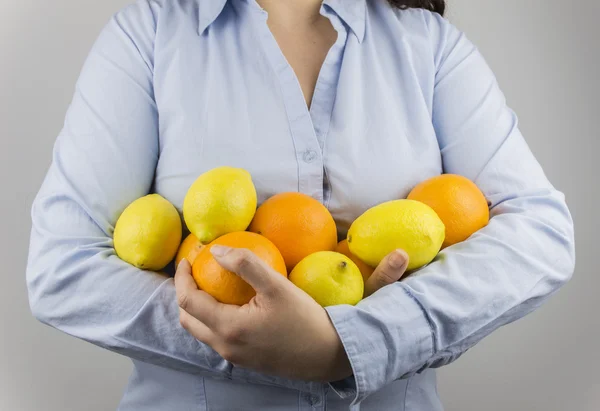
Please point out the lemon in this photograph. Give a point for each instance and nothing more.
(330, 278)
(221, 201)
(407, 224)
(148, 233)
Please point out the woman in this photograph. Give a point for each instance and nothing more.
(350, 101)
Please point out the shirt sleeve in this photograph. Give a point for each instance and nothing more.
(501, 273)
(105, 158)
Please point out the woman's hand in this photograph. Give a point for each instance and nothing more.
(390, 270)
(282, 331)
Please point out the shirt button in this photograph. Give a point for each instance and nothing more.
(315, 400)
(309, 156)
(312, 399)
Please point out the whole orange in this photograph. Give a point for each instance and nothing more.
(457, 201)
(228, 287)
(365, 269)
(297, 224)
(189, 249)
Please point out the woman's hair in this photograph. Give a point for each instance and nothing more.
(437, 6)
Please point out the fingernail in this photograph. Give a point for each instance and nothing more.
(181, 262)
(397, 259)
(219, 250)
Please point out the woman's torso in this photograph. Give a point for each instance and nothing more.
(153, 388)
(226, 95)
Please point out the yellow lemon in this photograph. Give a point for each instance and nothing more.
(330, 278)
(148, 233)
(407, 224)
(221, 201)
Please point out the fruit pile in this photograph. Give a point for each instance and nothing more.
(295, 234)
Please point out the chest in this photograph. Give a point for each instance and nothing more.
(305, 47)
(238, 96)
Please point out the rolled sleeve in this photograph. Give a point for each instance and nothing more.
(378, 350)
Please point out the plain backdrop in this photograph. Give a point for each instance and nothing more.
(546, 55)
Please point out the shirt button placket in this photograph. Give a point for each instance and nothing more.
(311, 169)
(306, 143)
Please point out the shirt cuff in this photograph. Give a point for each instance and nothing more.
(386, 336)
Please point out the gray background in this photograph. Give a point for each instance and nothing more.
(546, 55)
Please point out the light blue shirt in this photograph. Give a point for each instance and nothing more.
(174, 88)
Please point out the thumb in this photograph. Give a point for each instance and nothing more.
(248, 266)
(390, 270)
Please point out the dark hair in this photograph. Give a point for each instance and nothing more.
(437, 6)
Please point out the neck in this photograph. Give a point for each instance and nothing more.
(291, 12)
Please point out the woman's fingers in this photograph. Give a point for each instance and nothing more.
(248, 266)
(390, 270)
(198, 303)
(196, 328)
(183, 276)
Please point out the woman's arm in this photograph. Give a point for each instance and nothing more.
(105, 158)
(497, 276)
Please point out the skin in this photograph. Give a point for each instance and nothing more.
(303, 35)
(282, 331)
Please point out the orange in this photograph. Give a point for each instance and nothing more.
(228, 287)
(297, 224)
(457, 201)
(189, 249)
(365, 269)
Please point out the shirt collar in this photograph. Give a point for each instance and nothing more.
(352, 12)
(208, 11)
